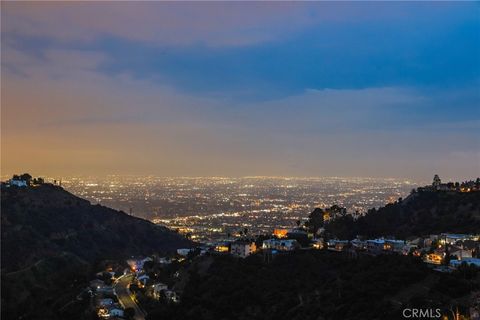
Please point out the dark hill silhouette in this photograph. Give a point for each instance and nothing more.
(421, 213)
(51, 239)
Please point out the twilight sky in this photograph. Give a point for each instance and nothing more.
(275, 88)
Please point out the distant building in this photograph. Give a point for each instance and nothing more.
(243, 248)
(434, 258)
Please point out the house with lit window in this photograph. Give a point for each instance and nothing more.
(337, 245)
(318, 244)
(391, 245)
(435, 257)
(222, 247)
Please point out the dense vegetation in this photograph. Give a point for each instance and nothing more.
(315, 285)
(50, 240)
(422, 213)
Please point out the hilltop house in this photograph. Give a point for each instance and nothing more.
(318, 244)
(469, 261)
(375, 246)
(337, 245)
(434, 258)
(358, 244)
(243, 248)
(394, 245)
(222, 247)
(460, 253)
(17, 183)
(282, 245)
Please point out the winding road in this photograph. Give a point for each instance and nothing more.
(125, 298)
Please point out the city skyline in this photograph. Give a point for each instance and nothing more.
(230, 89)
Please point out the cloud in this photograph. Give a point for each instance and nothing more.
(73, 104)
(186, 23)
(72, 119)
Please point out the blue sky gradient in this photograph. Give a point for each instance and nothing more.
(309, 89)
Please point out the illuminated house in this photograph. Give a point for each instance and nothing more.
(460, 253)
(434, 258)
(222, 247)
(337, 245)
(452, 238)
(318, 244)
(243, 248)
(375, 246)
(136, 265)
(282, 245)
(469, 261)
(280, 233)
(394, 245)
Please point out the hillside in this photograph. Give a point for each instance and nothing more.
(421, 213)
(51, 239)
(317, 285)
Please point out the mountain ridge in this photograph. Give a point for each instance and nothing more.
(52, 239)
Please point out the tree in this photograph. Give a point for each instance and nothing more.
(148, 265)
(27, 177)
(315, 220)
